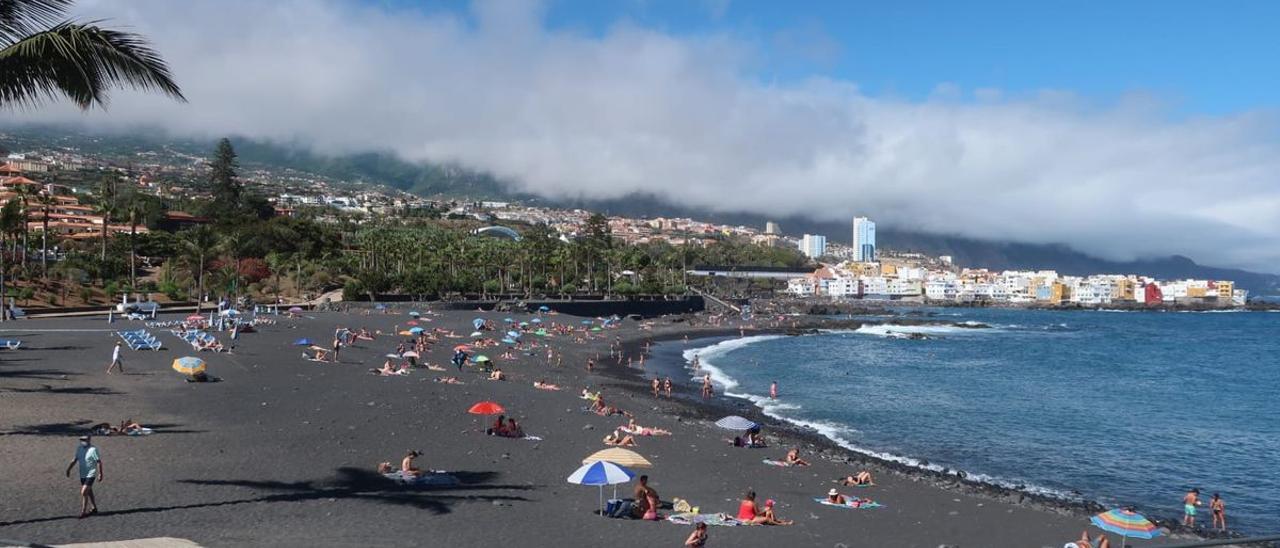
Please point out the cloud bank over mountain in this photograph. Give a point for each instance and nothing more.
(600, 115)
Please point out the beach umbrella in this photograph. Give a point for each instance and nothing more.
(536, 320)
(601, 473)
(595, 329)
(619, 456)
(509, 320)
(544, 308)
(188, 365)
(379, 306)
(302, 342)
(524, 324)
(586, 322)
(478, 323)
(462, 347)
(411, 322)
(393, 356)
(480, 359)
(409, 354)
(1125, 523)
(195, 318)
(734, 422)
(540, 332)
(476, 334)
(508, 340)
(416, 330)
(405, 333)
(486, 408)
(295, 309)
(414, 313)
(514, 334)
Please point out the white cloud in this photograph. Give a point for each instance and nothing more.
(635, 109)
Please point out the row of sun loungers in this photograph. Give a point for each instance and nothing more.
(199, 340)
(140, 340)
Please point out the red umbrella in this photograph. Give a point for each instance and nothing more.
(462, 347)
(195, 318)
(411, 322)
(486, 408)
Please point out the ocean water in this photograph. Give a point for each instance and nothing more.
(1123, 408)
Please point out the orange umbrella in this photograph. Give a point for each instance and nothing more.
(486, 408)
(462, 347)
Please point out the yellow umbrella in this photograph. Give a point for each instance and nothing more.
(619, 456)
(188, 365)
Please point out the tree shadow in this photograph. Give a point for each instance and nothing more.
(41, 374)
(63, 347)
(347, 484)
(72, 390)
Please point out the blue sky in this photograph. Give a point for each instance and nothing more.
(1196, 57)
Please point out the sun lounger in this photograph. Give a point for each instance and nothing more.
(850, 505)
(9, 344)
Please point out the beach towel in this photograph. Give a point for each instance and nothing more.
(850, 504)
(533, 438)
(141, 432)
(689, 518)
(434, 478)
(772, 462)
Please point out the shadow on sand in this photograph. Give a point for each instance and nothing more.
(347, 484)
(81, 427)
(70, 390)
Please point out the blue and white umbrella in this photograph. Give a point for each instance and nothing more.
(416, 330)
(536, 320)
(544, 308)
(601, 473)
(508, 340)
(414, 313)
(734, 422)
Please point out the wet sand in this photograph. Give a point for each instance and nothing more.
(282, 452)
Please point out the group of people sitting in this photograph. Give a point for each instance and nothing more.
(389, 369)
(750, 513)
(407, 468)
(505, 427)
(127, 427)
(753, 439)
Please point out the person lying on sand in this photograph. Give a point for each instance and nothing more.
(364, 335)
(386, 370)
(793, 458)
(448, 380)
(633, 428)
(435, 368)
(407, 467)
(497, 375)
(861, 479)
(617, 439)
(834, 497)
(544, 385)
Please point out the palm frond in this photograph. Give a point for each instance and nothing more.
(81, 62)
(19, 18)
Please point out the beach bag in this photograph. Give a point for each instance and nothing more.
(681, 506)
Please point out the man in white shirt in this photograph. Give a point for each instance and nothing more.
(115, 360)
(90, 471)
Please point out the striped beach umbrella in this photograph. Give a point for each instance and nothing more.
(619, 456)
(1126, 523)
(601, 473)
(734, 422)
(188, 365)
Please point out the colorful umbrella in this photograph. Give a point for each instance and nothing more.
(195, 318)
(524, 324)
(486, 408)
(478, 323)
(513, 334)
(409, 354)
(734, 422)
(302, 342)
(477, 334)
(595, 329)
(414, 313)
(1125, 523)
(462, 347)
(188, 365)
(601, 473)
(416, 330)
(411, 322)
(544, 308)
(405, 333)
(540, 332)
(295, 309)
(536, 320)
(619, 456)
(508, 340)
(480, 359)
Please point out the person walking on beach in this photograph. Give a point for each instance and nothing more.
(1189, 503)
(707, 390)
(773, 390)
(1218, 510)
(115, 360)
(657, 387)
(90, 471)
(666, 387)
(337, 347)
(591, 365)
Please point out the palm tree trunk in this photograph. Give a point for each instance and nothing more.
(133, 251)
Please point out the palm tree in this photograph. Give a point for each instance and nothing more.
(46, 201)
(44, 56)
(106, 206)
(200, 242)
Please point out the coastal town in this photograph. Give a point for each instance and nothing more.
(859, 271)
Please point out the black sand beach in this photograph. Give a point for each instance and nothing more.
(282, 451)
